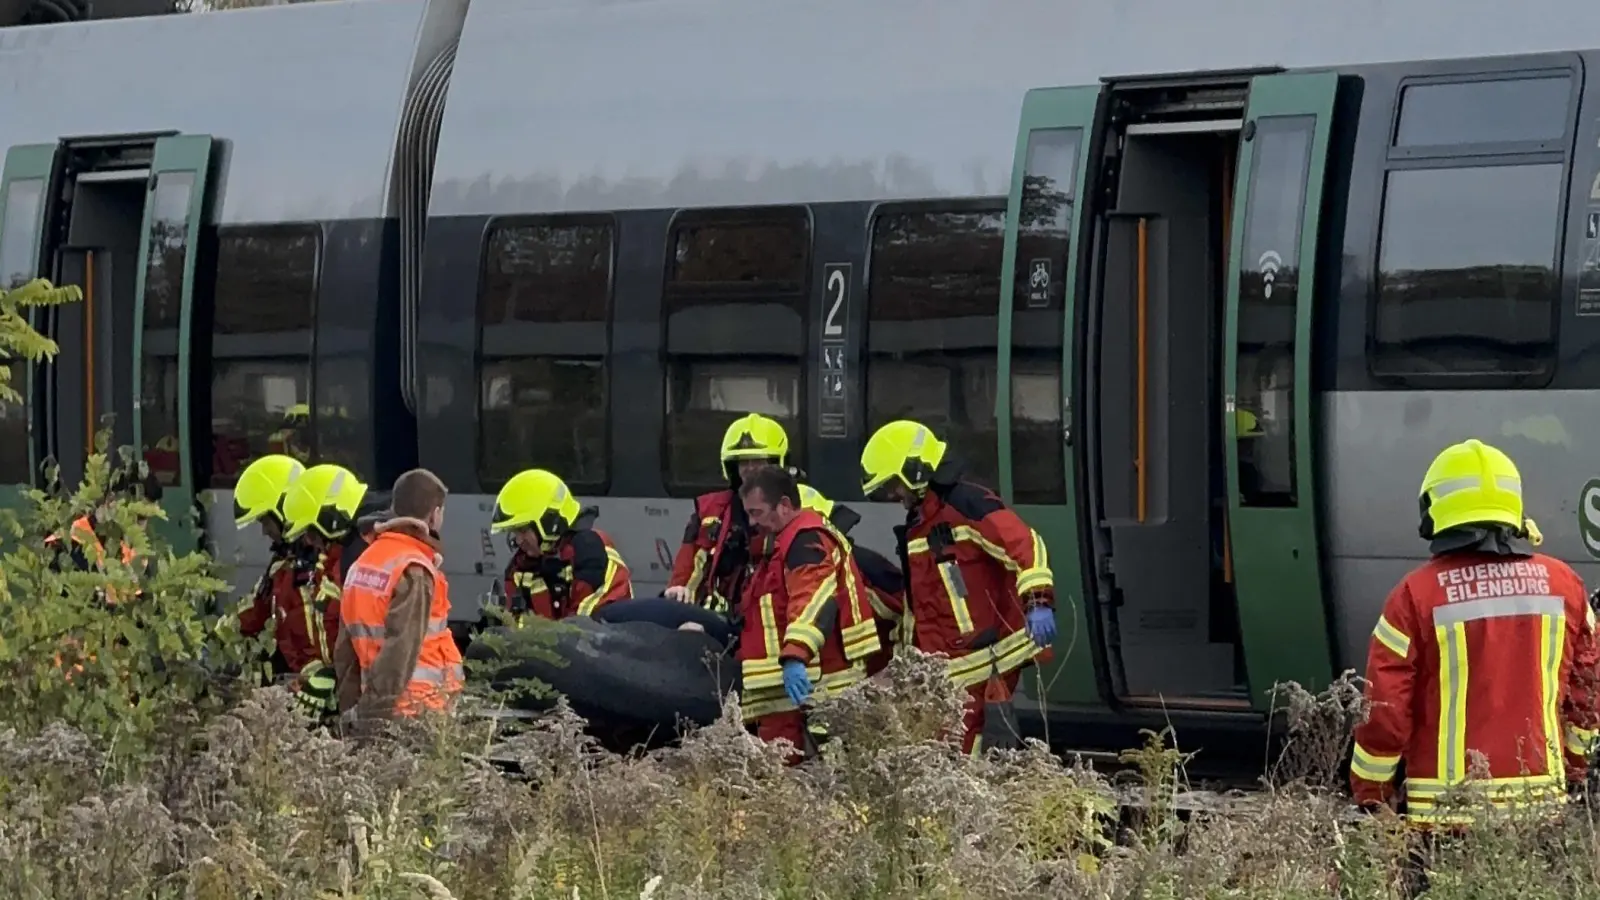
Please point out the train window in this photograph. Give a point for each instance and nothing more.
(932, 329)
(1044, 244)
(262, 347)
(1520, 110)
(1268, 289)
(544, 310)
(163, 301)
(735, 309)
(1467, 278)
(18, 265)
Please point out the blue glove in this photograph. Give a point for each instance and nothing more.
(796, 683)
(1042, 625)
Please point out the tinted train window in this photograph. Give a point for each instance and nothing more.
(1467, 280)
(1522, 110)
(544, 310)
(735, 334)
(1044, 244)
(262, 347)
(1268, 290)
(932, 330)
(19, 264)
(163, 301)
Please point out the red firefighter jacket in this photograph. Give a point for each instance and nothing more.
(969, 562)
(1479, 653)
(806, 601)
(584, 573)
(300, 592)
(886, 586)
(715, 555)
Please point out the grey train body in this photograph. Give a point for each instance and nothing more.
(643, 110)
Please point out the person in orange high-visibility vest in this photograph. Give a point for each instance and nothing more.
(81, 548)
(395, 654)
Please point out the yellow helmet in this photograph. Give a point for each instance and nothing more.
(1470, 483)
(324, 498)
(535, 499)
(754, 437)
(812, 499)
(905, 450)
(261, 486)
(297, 414)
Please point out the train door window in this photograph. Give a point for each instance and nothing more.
(1044, 242)
(736, 314)
(932, 330)
(163, 303)
(18, 265)
(263, 342)
(544, 307)
(1268, 289)
(1467, 273)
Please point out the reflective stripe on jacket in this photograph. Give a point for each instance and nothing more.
(302, 598)
(805, 601)
(1479, 653)
(705, 564)
(968, 562)
(585, 573)
(368, 590)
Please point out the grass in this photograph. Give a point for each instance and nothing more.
(255, 802)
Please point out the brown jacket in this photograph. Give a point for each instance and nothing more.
(373, 693)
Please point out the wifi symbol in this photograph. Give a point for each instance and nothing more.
(1269, 264)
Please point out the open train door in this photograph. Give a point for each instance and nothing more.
(1039, 278)
(24, 188)
(1268, 402)
(169, 245)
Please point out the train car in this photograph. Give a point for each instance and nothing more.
(224, 189)
(1200, 292)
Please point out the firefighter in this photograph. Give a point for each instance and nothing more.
(715, 555)
(320, 511)
(286, 440)
(885, 583)
(561, 565)
(978, 583)
(807, 624)
(396, 654)
(1487, 648)
(258, 498)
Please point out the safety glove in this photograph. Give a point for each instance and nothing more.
(796, 683)
(1041, 623)
(316, 690)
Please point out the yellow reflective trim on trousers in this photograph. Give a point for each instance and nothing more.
(1505, 786)
(1372, 766)
(768, 699)
(1552, 644)
(1453, 675)
(1396, 640)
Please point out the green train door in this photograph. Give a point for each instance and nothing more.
(169, 244)
(1032, 403)
(24, 192)
(1192, 390)
(1268, 402)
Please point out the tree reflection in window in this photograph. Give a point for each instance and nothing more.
(932, 333)
(263, 343)
(735, 334)
(19, 264)
(544, 310)
(1467, 280)
(1038, 311)
(168, 248)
